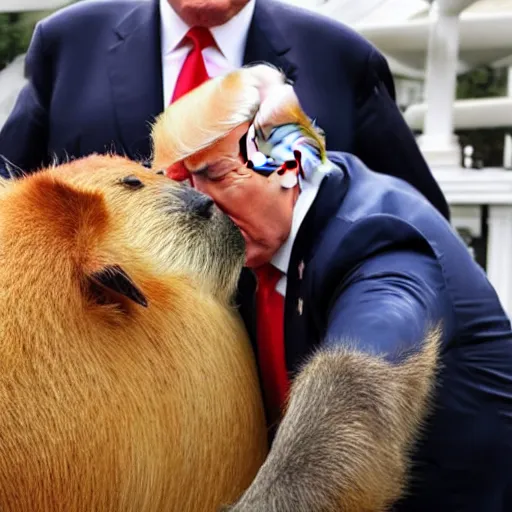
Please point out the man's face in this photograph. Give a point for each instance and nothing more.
(258, 205)
(207, 13)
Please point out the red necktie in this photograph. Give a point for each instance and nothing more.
(271, 355)
(193, 73)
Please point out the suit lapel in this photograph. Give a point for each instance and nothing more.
(266, 41)
(135, 70)
(299, 311)
(265, 44)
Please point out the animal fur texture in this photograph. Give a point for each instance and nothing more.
(127, 382)
(344, 441)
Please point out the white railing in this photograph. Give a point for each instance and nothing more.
(467, 190)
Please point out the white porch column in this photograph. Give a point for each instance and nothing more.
(499, 253)
(507, 151)
(438, 142)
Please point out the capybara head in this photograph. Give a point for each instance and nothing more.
(98, 219)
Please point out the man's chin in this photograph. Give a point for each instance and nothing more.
(255, 254)
(207, 16)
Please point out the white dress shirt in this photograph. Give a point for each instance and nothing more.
(281, 258)
(230, 39)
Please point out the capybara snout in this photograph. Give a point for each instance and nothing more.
(196, 203)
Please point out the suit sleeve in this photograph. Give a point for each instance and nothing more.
(383, 141)
(389, 303)
(24, 137)
(357, 404)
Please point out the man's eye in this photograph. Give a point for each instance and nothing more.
(201, 171)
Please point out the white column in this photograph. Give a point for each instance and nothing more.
(438, 142)
(499, 253)
(507, 151)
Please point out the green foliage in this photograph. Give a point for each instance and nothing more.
(13, 37)
(484, 82)
(15, 33)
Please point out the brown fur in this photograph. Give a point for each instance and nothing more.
(343, 444)
(108, 405)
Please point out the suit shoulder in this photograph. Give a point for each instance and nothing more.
(373, 194)
(326, 30)
(87, 15)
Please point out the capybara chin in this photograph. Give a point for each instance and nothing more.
(127, 382)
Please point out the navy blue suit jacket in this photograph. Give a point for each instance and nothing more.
(95, 85)
(381, 265)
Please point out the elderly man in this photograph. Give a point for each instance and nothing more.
(385, 354)
(99, 72)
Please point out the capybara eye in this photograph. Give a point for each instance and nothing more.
(132, 182)
(161, 172)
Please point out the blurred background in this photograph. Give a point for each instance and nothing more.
(452, 64)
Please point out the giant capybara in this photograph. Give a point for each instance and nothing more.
(127, 382)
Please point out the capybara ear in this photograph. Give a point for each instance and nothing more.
(111, 284)
(74, 223)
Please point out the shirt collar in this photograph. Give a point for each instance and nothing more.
(230, 37)
(309, 191)
(280, 145)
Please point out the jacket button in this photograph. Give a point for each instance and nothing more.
(301, 268)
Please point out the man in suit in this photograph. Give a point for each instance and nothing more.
(371, 322)
(99, 72)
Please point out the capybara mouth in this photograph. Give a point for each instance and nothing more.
(236, 239)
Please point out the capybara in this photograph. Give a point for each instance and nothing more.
(127, 381)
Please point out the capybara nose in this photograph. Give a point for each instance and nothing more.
(196, 202)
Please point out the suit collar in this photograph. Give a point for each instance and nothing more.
(329, 198)
(300, 277)
(135, 71)
(143, 15)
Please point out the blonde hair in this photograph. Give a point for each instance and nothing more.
(225, 102)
